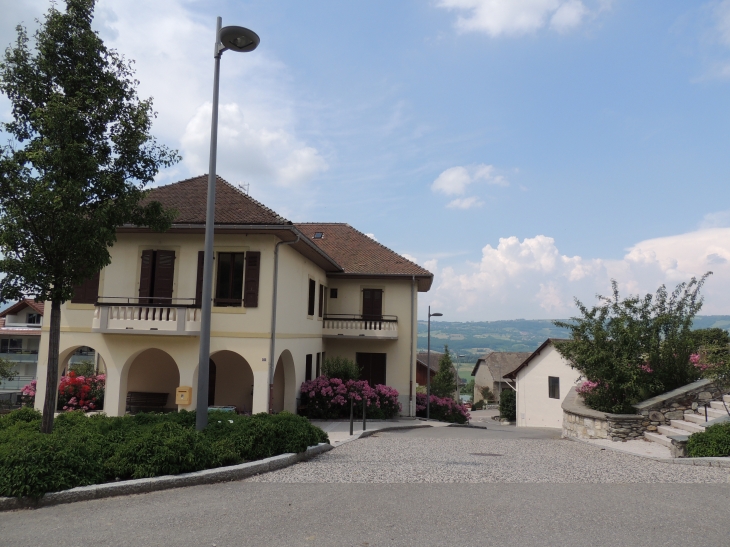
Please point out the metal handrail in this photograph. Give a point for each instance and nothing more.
(146, 301)
(355, 317)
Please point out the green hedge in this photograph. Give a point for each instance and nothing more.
(508, 405)
(96, 449)
(712, 442)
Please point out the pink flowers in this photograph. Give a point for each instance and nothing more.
(646, 368)
(587, 387)
(445, 409)
(29, 390)
(696, 360)
(326, 397)
(81, 392)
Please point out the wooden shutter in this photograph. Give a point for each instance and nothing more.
(372, 303)
(145, 276)
(199, 281)
(87, 292)
(310, 303)
(308, 368)
(321, 299)
(251, 279)
(164, 277)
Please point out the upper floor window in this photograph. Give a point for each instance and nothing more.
(156, 277)
(229, 285)
(553, 387)
(34, 319)
(312, 294)
(87, 292)
(372, 303)
(11, 345)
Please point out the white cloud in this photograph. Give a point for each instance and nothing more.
(531, 278)
(516, 17)
(372, 236)
(722, 16)
(720, 219)
(465, 203)
(455, 180)
(408, 257)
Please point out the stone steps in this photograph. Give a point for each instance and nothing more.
(658, 438)
(694, 418)
(717, 405)
(668, 430)
(688, 427)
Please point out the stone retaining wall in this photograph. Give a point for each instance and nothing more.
(672, 405)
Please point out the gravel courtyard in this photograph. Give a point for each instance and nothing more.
(458, 455)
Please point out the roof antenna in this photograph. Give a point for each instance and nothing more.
(244, 187)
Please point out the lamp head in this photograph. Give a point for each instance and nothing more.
(239, 39)
(436, 314)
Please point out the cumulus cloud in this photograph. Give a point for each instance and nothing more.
(455, 180)
(720, 219)
(532, 278)
(517, 17)
(465, 203)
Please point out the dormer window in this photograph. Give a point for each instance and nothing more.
(34, 318)
(318, 235)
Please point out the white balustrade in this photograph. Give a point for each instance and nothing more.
(146, 319)
(360, 328)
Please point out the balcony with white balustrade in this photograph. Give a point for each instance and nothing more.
(171, 317)
(382, 327)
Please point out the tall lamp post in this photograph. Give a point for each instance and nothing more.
(236, 39)
(428, 364)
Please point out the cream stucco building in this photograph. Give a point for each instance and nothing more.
(542, 381)
(339, 292)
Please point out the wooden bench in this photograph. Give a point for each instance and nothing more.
(141, 401)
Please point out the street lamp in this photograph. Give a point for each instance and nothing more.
(428, 364)
(456, 370)
(236, 39)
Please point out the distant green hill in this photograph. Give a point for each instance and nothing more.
(479, 337)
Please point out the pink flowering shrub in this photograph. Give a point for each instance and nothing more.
(28, 394)
(327, 398)
(587, 387)
(81, 392)
(442, 408)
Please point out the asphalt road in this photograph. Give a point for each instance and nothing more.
(565, 512)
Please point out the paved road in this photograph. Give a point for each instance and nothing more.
(521, 505)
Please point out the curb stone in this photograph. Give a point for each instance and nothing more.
(155, 484)
(470, 426)
(699, 462)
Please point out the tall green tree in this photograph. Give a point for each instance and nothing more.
(633, 348)
(443, 384)
(77, 167)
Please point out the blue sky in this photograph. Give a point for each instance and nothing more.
(525, 151)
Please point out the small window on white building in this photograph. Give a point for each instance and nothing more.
(553, 387)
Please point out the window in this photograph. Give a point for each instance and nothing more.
(333, 293)
(156, 277)
(11, 345)
(318, 235)
(229, 284)
(372, 367)
(312, 290)
(372, 303)
(321, 299)
(34, 319)
(318, 357)
(308, 368)
(553, 387)
(87, 292)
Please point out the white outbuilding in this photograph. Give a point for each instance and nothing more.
(542, 381)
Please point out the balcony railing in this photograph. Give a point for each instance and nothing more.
(381, 327)
(16, 384)
(147, 316)
(28, 356)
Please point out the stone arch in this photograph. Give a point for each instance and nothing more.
(151, 371)
(76, 354)
(284, 396)
(234, 381)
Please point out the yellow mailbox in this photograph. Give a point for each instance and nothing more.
(184, 395)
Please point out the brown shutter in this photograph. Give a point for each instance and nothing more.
(87, 292)
(164, 276)
(251, 280)
(145, 276)
(321, 299)
(199, 281)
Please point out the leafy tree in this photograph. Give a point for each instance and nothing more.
(508, 405)
(340, 367)
(633, 348)
(487, 394)
(81, 157)
(443, 384)
(468, 388)
(6, 370)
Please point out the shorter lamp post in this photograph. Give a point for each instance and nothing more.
(428, 364)
(456, 370)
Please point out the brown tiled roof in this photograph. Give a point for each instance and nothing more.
(501, 362)
(26, 302)
(422, 357)
(358, 253)
(232, 206)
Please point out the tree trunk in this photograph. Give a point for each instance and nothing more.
(54, 339)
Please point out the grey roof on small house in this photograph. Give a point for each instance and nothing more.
(501, 362)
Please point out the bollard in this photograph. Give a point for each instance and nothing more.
(352, 405)
(364, 402)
